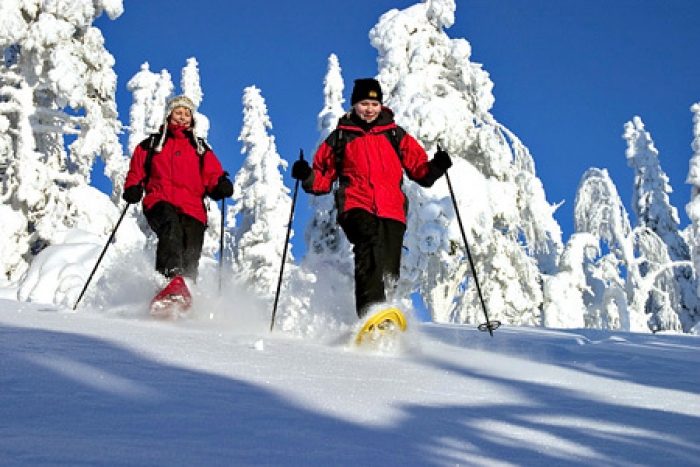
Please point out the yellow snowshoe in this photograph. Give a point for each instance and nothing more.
(389, 321)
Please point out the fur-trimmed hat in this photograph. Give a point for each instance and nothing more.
(366, 88)
(175, 102)
(180, 101)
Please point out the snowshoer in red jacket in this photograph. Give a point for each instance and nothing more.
(176, 170)
(369, 163)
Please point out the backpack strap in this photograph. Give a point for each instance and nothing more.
(395, 136)
(149, 144)
(338, 140)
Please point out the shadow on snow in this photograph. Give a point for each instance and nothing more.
(86, 401)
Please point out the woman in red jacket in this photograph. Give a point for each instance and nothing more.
(368, 153)
(176, 170)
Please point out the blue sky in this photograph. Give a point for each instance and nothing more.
(568, 74)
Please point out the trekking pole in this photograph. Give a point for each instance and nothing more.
(286, 242)
(489, 326)
(104, 250)
(221, 241)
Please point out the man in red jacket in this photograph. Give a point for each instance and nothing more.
(369, 168)
(176, 170)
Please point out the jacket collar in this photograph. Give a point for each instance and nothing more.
(384, 121)
(178, 131)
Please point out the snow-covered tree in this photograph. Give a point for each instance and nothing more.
(191, 88)
(189, 82)
(56, 85)
(14, 227)
(441, 97)
(333, 86)
(673, 302)
(564, 304)
(692, 209)
(143, 87)
(599, 211)
(262, 204)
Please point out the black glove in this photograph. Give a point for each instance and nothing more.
(133, 194)
(442, 160)
(223, 189)
(301, 170)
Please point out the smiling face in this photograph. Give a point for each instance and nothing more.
(368, 109)
(181, 116)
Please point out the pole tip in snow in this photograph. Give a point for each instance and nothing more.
(489, 326)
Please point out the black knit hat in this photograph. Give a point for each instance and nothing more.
(366, 88)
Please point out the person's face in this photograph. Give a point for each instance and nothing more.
(367, 109)
(181, 116)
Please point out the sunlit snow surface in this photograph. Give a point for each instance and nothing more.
(95, 387)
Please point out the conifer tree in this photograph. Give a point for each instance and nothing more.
(619, 303)
(191, 87)
(564, 292)
(143, 87)
(261, 203)
(673, 300)
(150, 94)
(57, 80)
(692, 209)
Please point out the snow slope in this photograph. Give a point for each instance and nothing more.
(92, 388)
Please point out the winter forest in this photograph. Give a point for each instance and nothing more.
(630, 271)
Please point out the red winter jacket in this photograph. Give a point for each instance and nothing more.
(178, 174)
(371, 169)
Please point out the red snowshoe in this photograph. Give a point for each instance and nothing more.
(173, 301)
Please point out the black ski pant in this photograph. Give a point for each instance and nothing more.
(180, 240)
(377, 244)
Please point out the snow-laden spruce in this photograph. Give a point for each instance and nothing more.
(637, 278)
(56, 81)
(146, 112)
(257, 227)
(673, 302)
(599, 211)
(261, 203)
(692, 209)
